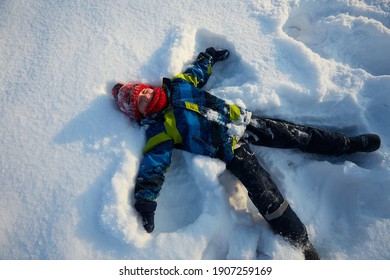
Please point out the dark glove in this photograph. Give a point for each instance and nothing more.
(217, 55)
(146, 210)
(148, 221)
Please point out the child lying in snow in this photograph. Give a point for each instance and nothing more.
(181, 115)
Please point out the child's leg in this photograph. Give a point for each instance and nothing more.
(269, 201)
(283, 134)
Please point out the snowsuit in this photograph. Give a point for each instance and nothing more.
(201, 123)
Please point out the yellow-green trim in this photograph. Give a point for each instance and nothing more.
(170, 127)
(188, 78)
(234, 143)
(192, 106)
(209, 70)
(171, 133)
(235, 112)
(155, 140)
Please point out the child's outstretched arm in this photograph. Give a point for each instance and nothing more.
(199, 72)
(150, 178)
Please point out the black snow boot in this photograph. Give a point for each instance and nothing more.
(364, 143)
(309, 252)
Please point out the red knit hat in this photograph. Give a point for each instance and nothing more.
(127, 97)
(158, 102)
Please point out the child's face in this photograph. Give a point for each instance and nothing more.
(144, 98)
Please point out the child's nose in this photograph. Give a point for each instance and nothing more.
(149, 95)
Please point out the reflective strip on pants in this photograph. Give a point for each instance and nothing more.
(279, 212)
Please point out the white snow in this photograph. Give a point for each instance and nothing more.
(69, 157)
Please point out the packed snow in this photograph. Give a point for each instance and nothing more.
(69, 158)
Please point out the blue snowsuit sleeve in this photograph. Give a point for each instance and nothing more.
(197, 73)
(151, 173)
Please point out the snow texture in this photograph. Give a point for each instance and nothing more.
(69, 157)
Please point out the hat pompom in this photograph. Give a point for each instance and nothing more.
(115, 90)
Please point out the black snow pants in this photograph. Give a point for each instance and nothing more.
(261, 189)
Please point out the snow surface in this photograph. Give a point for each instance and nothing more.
(69, 157)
